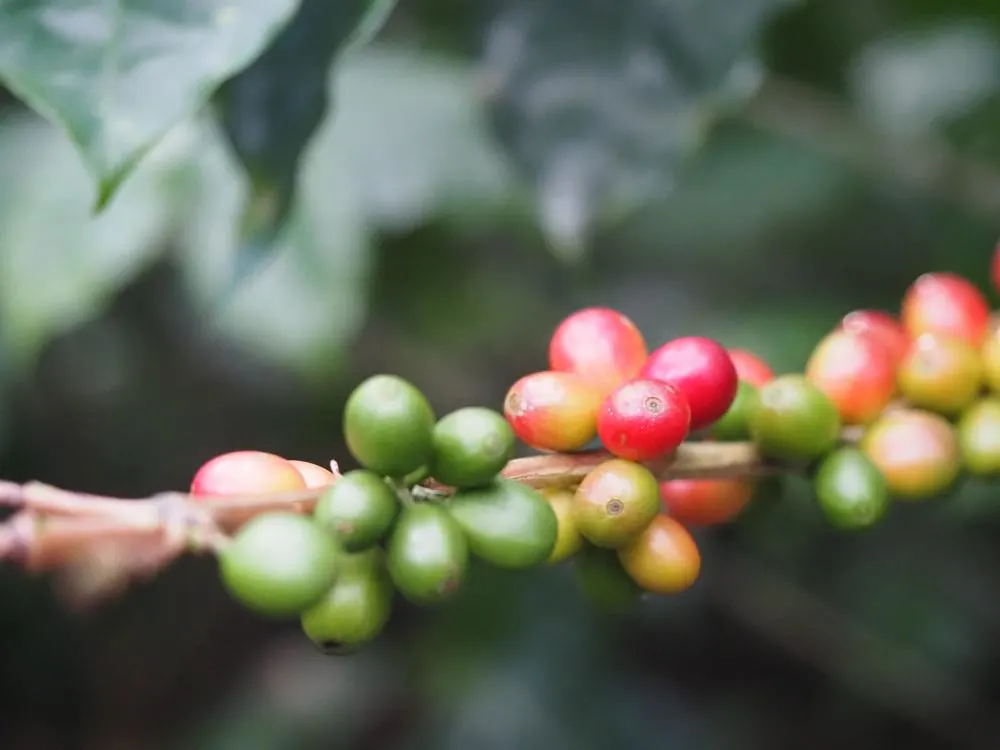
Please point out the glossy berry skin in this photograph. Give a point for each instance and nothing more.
(314, 474)
(643, 420)
(706, 502)
(990, 355)
(553, 411)
(735, 423)
(941, 374)
(615, 502)
(388, 424)
(279, 564)
(471, 446)
(601, 345)
(946, 304)
(916, 451)
(427, 554)
(664, 559)
(358, 509)
(701, 370)
(850, 490)
(246, 473)
(750, 367)
(881, 327)
(979, 438)
(794, 420)
(856, 373)
(603, 581)
(568, 539)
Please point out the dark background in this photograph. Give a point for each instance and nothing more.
(442, 237)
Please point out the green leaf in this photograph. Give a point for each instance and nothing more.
(599, 103)
(59, 265)
(271, 110)
(117, 75)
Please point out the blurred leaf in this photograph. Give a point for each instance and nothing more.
(599, 103)
(911, 83)
(272, 109)
(118, 75)
(58, 263)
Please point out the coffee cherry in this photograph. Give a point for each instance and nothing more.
(881, 327)
(471, 446)
(946, 304)
(568, 539)
(941, 374)
(507, 523)
(664, 559)
(354, 611)
(701, 370)
(851, 491)
(601, 345)
(603, 581)
(246, 473)
(856, 373)
(706, 502)
(990, 355)
(615, 502)
(735, 423)
(427, 554)
(358, 509)
(750, 367)
(643, 419)
(314, 474)
(279, 564)
(553, 411)
(794, 420)
(979, 437)
(916, 451)
(387, 426)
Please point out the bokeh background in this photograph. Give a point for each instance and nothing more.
(745, 170)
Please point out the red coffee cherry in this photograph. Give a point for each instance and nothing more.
(553, 411)
(706, 502)
(946, 304)
(601, 345)
(643, 420)
(701, 370)
(750, 367)
(246, 473)
(880, 326)
(856, 372)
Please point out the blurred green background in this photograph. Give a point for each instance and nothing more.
(743, 169)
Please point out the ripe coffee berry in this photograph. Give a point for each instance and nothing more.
(701, 370)
(314, 474)
(706, 502)
(946, 304)
(856, 372)
(750, 367)
(942, 374)
(246, 473)
(664, 559)
(643, 419)
(916, 451)
(601, 345)
(553, 411)
(880, 326)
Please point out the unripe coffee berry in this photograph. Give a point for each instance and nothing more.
(856, 373)
(942, 374)
(946, 304)
(664, 559)
(916, 451)
(979, 438)
(471, 446)
(246, 473)
(735, 423)
(706, 502)
(603, 581)
(750, 367)
(851, 491)
(643, 420)
(794, 420)
(701, 370)
(601, 345)
(568, 539)
(615, 502)
(553, 411)
(990, 355)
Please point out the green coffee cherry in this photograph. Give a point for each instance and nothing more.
(979, 438)
(358, 509)
(735, 423)
(427, 554)
(471, 446)
(851, 491)
(794, 420)
(603, 581)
